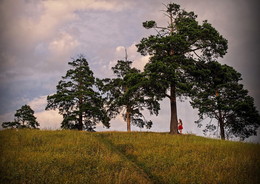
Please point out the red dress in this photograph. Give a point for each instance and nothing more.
(180, 127)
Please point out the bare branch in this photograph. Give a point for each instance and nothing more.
(196, 54)
(168, 96)
(165, 5)
(158, 27)
(167, 15)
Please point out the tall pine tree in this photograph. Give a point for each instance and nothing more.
(126, 95)
(77, 98)
(173, 53)
(219, 95)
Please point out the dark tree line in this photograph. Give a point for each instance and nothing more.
(183, 63)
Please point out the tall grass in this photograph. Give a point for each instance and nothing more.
(33, 156)
(190, 159)
(29, 156)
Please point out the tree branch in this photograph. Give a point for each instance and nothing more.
(196, 54)
(168, 96)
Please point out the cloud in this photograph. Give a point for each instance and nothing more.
(49, 119)
(38, 104)
(38, 19)
(64, 43)
(138, 60)
(36, 23)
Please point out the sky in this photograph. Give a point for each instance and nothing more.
(39, 37)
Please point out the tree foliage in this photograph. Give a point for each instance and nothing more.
(125, 94)
(174, 50)
(219, 95)
(78, 99)
(24, 118)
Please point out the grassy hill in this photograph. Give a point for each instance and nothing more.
(34, 156)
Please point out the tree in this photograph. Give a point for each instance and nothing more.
(77, 98)
(173, 53)
(24, 118)
(126, 95)
(219, 95)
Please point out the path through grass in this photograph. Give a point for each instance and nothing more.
(33, 156)
(36, 157)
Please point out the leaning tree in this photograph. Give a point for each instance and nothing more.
(24, 118)
(77, 98)
(219, 95)
(173, 52)
(126, 95)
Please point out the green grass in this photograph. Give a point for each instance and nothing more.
(33, 156)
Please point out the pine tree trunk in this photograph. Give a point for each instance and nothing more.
(222, 130)
(174, 121)
(128, 120)
(80, 126)
(221, 126)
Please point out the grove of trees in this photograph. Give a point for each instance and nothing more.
(182, 63)
(174, 51)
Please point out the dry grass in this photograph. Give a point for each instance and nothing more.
(30, 156)
(33, 156)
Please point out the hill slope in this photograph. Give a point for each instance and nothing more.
(33, 156)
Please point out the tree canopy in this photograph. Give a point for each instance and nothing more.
(174, 51)
(78, 99)
(126, 95)
(219, 95)
(24, 118)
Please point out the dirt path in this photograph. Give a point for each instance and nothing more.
(150, 179)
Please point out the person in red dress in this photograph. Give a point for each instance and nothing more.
(180, 126)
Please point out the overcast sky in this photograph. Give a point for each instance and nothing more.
(38, 39)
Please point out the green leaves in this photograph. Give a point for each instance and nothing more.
(149, 24)
(173, 8)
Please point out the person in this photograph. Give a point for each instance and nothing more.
(180, 126)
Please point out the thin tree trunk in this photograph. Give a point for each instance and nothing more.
(128, 109)
(221, 126)
(128, 119)
(220, 119)
(80, 126)
(174, 121)
(222, 130)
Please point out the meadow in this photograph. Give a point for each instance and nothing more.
(38, 156)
